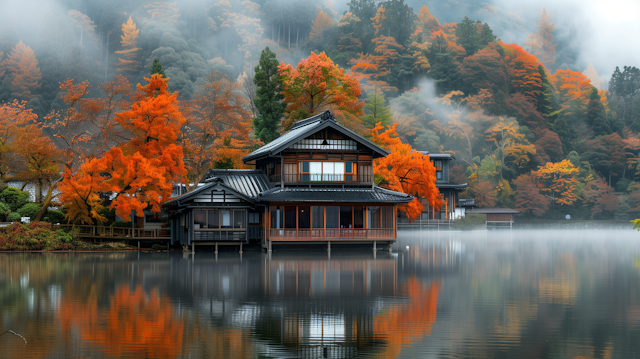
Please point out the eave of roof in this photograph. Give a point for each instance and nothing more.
(331, 195)
(306, 127)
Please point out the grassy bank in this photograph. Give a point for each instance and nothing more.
(43, 236)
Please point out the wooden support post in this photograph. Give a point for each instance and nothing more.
(138, 245)
(269, 246)
(193, 247)
(216, 251)
(374, 246)
(389, 247)
(240, 247)
(329, 246)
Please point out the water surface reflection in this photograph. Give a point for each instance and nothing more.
(440, 294)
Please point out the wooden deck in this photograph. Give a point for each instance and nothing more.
(101, 232)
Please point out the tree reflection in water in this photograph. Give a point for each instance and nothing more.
(134, 324)
(403, 325)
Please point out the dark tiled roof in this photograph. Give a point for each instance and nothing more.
(459, 187)
(248, 182)
(491, 210)
(338, 195)
(307, 127)
(467, 202)
(438, 155)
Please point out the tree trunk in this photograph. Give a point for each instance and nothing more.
(46, 202)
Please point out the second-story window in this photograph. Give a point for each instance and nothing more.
(438, 165)
(327, 171)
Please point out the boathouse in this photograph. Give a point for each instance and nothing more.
(313, 184)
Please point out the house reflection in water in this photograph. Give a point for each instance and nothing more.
(326, 308)
(306, 306)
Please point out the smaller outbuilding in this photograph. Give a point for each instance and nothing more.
(496, 217)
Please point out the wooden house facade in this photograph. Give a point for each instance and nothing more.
(313, 184)
(449, 191)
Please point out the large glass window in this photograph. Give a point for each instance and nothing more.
(304, 217)
(346, 217)
(238, 219)
(214, 218)
(373, 216)
(200, 219)
(333, 217)
(315, 171)
(387, 217)
(225, 218)
(277, 217)
(290, 217)
(327, 171)
(358, 216)
(317, 216)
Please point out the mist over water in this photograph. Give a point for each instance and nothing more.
(479, 294)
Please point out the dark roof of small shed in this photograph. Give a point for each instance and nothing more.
(459, 187)
(336, 195)
(246, 183)
(307, 127)
(492, 210)
(438, 155)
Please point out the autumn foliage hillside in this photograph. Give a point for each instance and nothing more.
(530, 125)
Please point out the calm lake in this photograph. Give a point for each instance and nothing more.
(479, 294)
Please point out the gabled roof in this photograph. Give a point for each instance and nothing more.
(246, 184)
(307, 127)
(334, 195)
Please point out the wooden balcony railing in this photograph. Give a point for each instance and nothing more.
(332, 234)
(321, 178)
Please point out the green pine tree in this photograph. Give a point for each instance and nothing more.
(597, 115)
(268, 97)
(375, 110)
(156, 68)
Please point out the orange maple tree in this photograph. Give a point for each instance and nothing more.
(14, 116)
(24, 70)
(571, 85)
(522, 68)
(128, 62)
(139, 174)
(557, 181)
(321, 23)
(317, 84)
(37, 158)
(217, 130)
(87, 128)
(405, 170)
(541, 43)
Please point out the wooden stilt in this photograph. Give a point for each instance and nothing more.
(216, 251)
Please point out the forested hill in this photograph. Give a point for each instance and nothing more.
(530, 122)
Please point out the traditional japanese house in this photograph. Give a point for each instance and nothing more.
(450, 191)
(313, 184)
